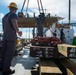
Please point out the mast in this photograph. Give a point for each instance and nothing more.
(69, 18)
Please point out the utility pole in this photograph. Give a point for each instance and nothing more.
(69, 18)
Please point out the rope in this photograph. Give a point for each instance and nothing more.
(23, 5)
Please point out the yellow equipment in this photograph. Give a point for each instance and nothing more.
(18, 41)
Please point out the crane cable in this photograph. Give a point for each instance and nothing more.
(39, 6)
(23, 5)
(27, 6)
(42, 6)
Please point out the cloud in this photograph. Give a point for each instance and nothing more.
(0, 23)
(59, 7)
(7, 2)
(1, 15)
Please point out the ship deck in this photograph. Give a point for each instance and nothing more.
(23, 63)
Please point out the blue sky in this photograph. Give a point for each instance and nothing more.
(58, 7)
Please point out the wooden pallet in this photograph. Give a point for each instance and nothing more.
(55, 67)
(67, 50)
(70, 66)
(43, 51)
(48, 67)
(31, 21)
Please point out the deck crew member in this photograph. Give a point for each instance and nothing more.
(51, 32)
(10, 28)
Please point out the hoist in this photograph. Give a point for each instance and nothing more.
(40, 19)
(24, 20)
(40, 6)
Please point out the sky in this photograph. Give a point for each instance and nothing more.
(54, 7)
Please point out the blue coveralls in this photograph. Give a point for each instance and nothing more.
(40, 21)
(9, 41)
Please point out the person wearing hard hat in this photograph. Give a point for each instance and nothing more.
(10, 28)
